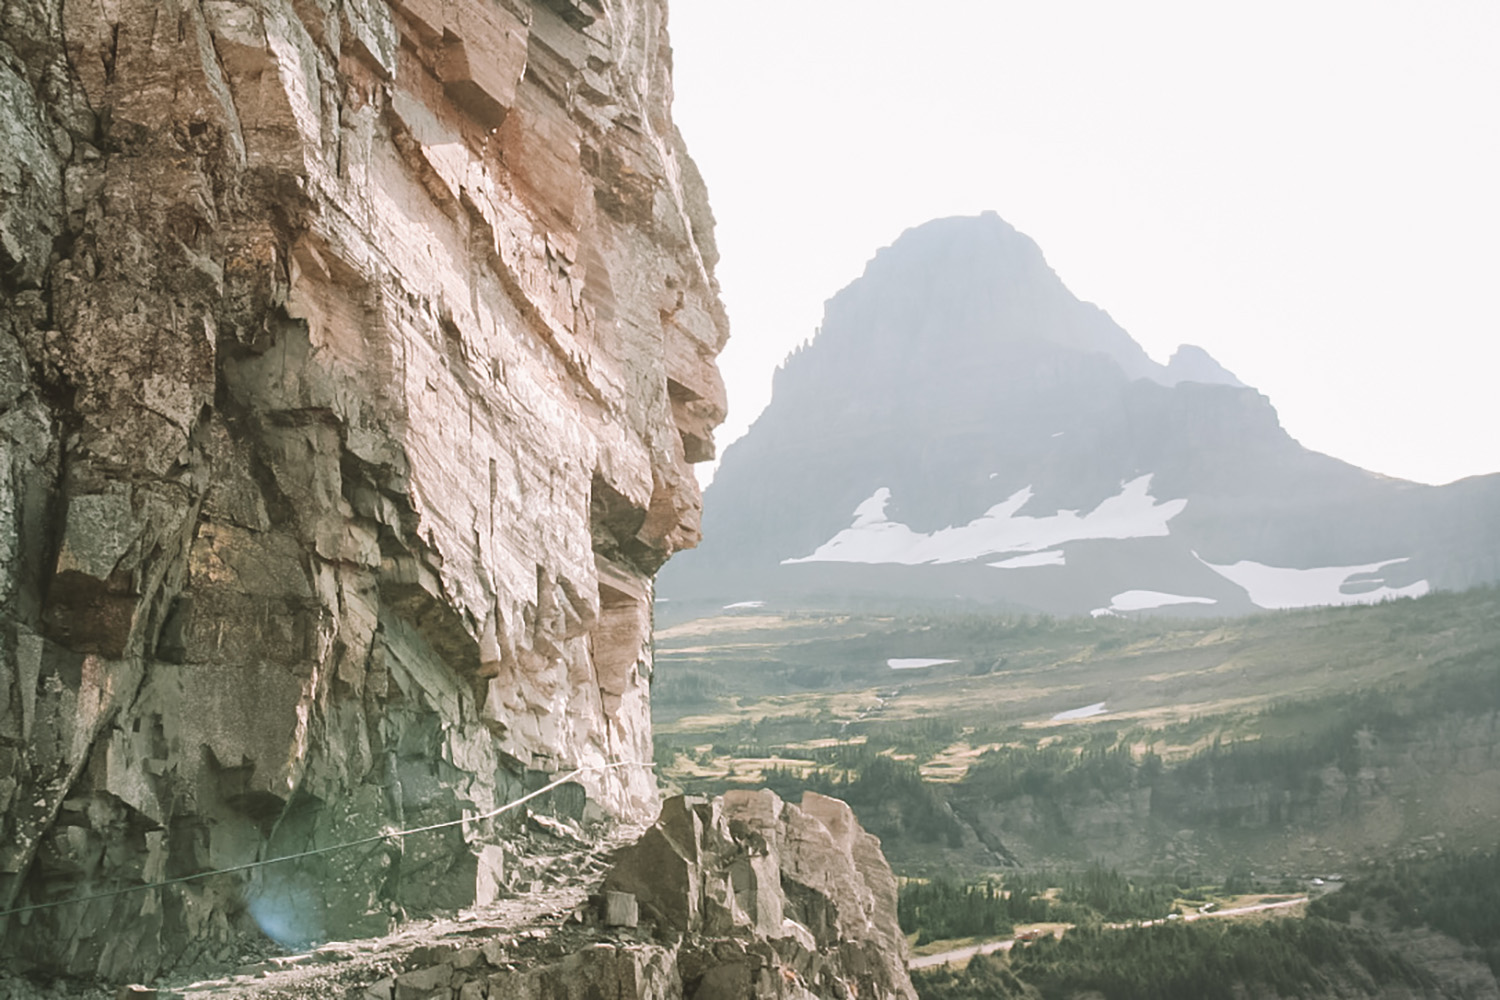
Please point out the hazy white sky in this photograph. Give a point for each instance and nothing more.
(1309, 190)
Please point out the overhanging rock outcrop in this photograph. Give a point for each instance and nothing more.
(352, 359)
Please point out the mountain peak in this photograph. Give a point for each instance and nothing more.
(1191, 363)
(965, 283)
(969, 277)
(998, 440)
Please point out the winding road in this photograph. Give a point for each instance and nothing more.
(990, 947)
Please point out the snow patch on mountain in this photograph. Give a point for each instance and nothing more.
(1278, 587)
(914, 662)
(1052, 557)
(1144, 600)
(872, 538)
(1086, 712)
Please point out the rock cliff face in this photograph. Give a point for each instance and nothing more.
(744, 897)
(352, 359)
(766, 899)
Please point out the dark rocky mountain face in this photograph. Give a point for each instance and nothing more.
(964, 428)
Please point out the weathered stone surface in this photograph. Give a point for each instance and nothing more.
(561, 944)
(423, 983)
(756, 868)
(769, 899)
(352, 359)
(636, 972)
(621, 910)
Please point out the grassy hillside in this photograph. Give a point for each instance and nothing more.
(1410, 929)
(1285, 742)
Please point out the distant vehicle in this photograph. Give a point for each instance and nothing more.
(1317, 881)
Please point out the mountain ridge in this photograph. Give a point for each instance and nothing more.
(958, 370)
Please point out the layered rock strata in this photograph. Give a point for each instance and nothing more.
(765, 899)
(352, 359)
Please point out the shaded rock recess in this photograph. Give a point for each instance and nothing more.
(353, 357)
(745, 897)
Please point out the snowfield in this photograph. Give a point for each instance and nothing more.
(1052, 557)
(914, 663)
(872, 538)
(1144, 600)
(1086, 712)
(1277, 587)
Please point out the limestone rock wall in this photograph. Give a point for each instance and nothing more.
(352, 358)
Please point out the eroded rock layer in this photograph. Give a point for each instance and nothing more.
(766, 900)
(352, 359)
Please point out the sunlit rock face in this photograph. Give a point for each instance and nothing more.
(766, 899)
(964, 431)
(352, 359)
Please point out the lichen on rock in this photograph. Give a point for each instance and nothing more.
(353, 357)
